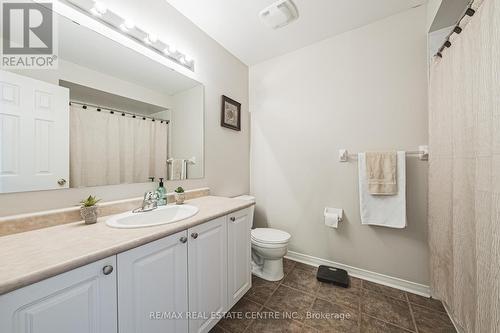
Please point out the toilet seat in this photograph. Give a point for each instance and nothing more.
(269, 246)
(269, 237)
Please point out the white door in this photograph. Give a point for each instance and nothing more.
(34, 134)
(82, 300)
(239, 254)
(207, 257)
(152, 287)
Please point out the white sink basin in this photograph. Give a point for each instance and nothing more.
(161, 215)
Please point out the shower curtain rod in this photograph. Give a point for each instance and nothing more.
(123, 113)
(457, 29)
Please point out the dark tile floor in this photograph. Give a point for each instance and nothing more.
(299, 303)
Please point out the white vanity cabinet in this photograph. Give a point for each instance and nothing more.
(239, 249)
(180, 283)
(82, 300)
(154, 279)
(207, 259)
(152, 286)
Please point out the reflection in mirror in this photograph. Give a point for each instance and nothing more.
(108, 115)
(124, 142)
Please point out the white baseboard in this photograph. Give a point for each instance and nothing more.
(412, 287)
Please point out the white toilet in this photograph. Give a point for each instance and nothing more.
(269, 246)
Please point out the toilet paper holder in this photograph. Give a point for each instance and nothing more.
(338, 211)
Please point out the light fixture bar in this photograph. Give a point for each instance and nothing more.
(128, 28)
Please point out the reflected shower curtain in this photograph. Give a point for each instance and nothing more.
(464, 172)
(108, 149)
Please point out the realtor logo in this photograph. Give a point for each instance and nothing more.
(28, 35)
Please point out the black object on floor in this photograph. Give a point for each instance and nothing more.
(333, 275)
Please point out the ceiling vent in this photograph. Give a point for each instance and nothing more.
(279, 14)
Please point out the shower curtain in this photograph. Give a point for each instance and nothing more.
(464, 172)
(108, 149)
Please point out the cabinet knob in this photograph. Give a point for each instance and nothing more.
(194, 235)
(232, 218)
(107, 269)
(61, 181)
(183, 239)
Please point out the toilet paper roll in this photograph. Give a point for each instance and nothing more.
(332, 217)
(332, 220)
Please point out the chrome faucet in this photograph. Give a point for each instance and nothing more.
(149, 203)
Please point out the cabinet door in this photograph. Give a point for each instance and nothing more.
(152, 287)
(239, 248)
(82, 300)
(207, 256)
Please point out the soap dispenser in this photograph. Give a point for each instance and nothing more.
(161, 191)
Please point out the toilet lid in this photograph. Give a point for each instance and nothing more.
(270, 236)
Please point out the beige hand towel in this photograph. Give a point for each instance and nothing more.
(381, 171)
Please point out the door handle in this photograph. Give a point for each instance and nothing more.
(108, 269)
(194, 235)
(183, 239)
(232, 218)
(61, 182)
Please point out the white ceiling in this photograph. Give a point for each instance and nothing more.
(237, 27)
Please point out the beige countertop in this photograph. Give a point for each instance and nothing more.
(32, 256)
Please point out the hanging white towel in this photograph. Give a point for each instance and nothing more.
(178, 169)
(387, 211)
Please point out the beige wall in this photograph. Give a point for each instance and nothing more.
(226, 151)
(363, 90)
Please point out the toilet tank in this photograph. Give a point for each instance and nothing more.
(245, 197)
(248, 198)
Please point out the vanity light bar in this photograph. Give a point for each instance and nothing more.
(150, 40)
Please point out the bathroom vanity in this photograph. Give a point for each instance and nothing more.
(178, 277)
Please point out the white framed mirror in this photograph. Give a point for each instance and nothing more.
(113, 112)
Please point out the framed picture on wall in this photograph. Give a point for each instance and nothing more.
(230, 114)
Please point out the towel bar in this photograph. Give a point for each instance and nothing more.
(192, 160)
(422, 153)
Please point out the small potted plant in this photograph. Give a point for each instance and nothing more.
(180, 196)
(89, 209)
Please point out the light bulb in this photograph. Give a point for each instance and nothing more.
(94, 12)
(172, 49)
(153, 38)
(150, 39)
(99, 9)
(127, 25)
